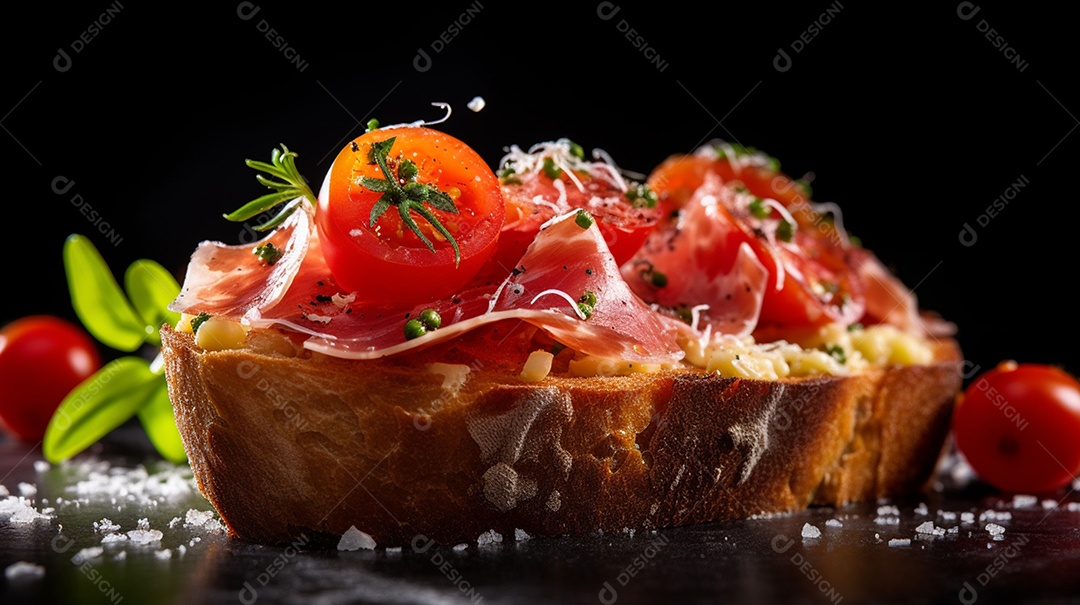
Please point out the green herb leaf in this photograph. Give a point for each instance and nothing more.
(409, 198)
(100, 404)
(289, 189)
(98, 300)
(151, 289)
(157, 419)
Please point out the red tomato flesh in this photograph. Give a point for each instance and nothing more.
(387, 261)
(41, 359)
(1018, 425)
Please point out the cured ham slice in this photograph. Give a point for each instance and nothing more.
(706, 264)
(564, 262)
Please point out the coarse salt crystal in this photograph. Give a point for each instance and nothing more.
(1024, 501)
(87, 554)
(810, 531)
(900, 542)
(922, 509)
(4, 491)
(521, 536)
(1049, 504)
(477, 103)
(1073, 507)
(887, 520)
(354, 539)
(947, 515)
(925, 528)
(461, 547)
(163, 554)
(105, 526)
(888, 510)
(489, 537)
(27, 490)
(834, 523)
(144, 536)
(113, 538)
(41, 466)
(23, 570)
(994, 529)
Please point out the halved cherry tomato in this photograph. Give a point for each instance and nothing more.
(818, 285)
(42, 358)
(624, 210)
(384, 258)
(1018, 425)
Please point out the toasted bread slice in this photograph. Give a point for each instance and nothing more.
(309, 446)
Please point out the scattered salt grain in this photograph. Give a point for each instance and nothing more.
(922, 509)
(900, 542)
(19, 510)
(144, 537)
(87, 554)
(120, 556)
(105, 526)
(928, 528)
(461, 547)
(489, 537)
(1024, 501)
(477, 103)
(42, 466)
(521, 536)
(1049, 504)
(27, 490)
(887, 510)
(810, 531)
(947, 515)
(23, 570)
(174, 522)
(4, 491)
(393, 550)
(995, 515)
(967, 517)
(834, 523)
(113, 538)
(354, 539)
(1073, 507)
(887, 520)
(163, 554)
(994, 529)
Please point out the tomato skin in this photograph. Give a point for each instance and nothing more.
(42, 358)
(388, 262)
(1018, 425)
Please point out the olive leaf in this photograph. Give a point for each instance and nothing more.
(98, 405)
(98, 300)
(151, 289)
(157, 419)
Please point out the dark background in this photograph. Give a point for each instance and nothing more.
(911, 119)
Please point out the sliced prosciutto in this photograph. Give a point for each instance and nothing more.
(703, 261)
(564, 262)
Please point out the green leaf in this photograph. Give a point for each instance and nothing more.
(157, 418)
(98, 300)
(151, 289)
(259, 205)
(100, 404)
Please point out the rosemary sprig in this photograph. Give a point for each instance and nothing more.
(288, 186)
(409, 197)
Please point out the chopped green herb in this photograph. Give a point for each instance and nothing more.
(804, 185)
(198, 321)
(577, 150)
(587, 303)
(408, 198)
(642, 196)
(760, 209)
(855, 327)
(685, 314)
(372, 124)
(837, 352)
(508, 176)
(658, 279)
(414, 328)
(268, 253)
(584, 219)
(551, 169)
(785, 231)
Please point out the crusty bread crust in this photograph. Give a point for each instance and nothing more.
(286, 447)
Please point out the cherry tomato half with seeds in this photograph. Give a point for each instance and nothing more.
(1018, 426)
(42, 358)
(408, 214)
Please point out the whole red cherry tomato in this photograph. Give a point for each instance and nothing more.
(1018, 425)
(42, 358)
